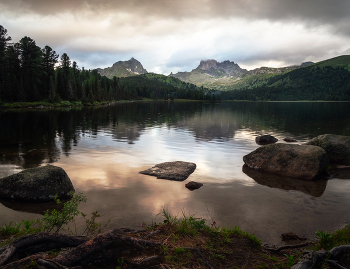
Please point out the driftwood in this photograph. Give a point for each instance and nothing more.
(39, 238)
(287, 247)
(84, 248)
(98, 243)
(24, 262)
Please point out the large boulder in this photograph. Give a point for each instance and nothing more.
(296, 161)
(37, 184)
(336, 146)
(178, 171)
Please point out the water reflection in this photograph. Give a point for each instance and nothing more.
(36, 208)
(314, 188)
(30, 138)
(103, 149)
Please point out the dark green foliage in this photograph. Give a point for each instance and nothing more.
(315, 82)
(157, 86)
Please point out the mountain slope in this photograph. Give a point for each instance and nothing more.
(157, 86)
(228, 75)
(123, 69)
(326, 80)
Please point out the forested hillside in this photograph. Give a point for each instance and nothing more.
(29, 73)
(327, 80)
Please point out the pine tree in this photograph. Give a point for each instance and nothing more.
(4, 39)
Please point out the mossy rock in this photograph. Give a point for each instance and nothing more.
(37, 184)
(336, 146)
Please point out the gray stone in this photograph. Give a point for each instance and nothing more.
(296, 161)
(178, 171)
(37, 184)
(265, 139)
(192, 185)
(336, 146)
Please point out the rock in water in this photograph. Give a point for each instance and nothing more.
(336, 146)
(290, 160)
(192, 185)
(290, 139)
(178, 171)
(37, 184)
(265, 139)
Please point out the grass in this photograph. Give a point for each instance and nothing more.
(328, 241)
(46, 104)
(182, 237)
(222, 247)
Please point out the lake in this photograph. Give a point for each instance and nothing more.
(102, 149)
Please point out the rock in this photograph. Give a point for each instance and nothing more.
(336, 146)
(37, 184)
(192, 185)
(289, 139)
(291, 160)
(291, 237)
(178, 171)
(265, 139)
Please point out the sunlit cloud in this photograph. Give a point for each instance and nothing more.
(171, 36)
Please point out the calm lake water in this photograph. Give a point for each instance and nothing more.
(103, 149)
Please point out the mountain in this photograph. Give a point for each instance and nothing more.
(326, 80)
(123, 69)
(212, 74)
(228, 75)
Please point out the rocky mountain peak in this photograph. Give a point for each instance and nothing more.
(219, 69)
(207, 64)
(128, 68)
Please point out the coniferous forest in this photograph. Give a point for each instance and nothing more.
(30, 73)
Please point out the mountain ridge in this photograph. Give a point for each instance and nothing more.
(128, 68)
(228, 75)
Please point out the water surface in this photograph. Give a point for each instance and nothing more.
(103, 149)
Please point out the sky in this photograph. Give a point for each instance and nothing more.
(174, 35)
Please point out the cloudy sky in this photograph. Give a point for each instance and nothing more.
(174, 35)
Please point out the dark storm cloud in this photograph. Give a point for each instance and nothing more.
(311, 11)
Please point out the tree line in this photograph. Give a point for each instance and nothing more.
(29, 73)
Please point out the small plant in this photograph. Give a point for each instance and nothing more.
(168, 218)
(54, 220)
(291, 260)
(325, 239)
(93, 227)
(179, 250)
(7, 230)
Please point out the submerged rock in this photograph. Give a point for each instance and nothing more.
(178, 170)
(304, 162)
(336, 146)
(37, 184)
(290, 139)
(192, 185)
(265, 139)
